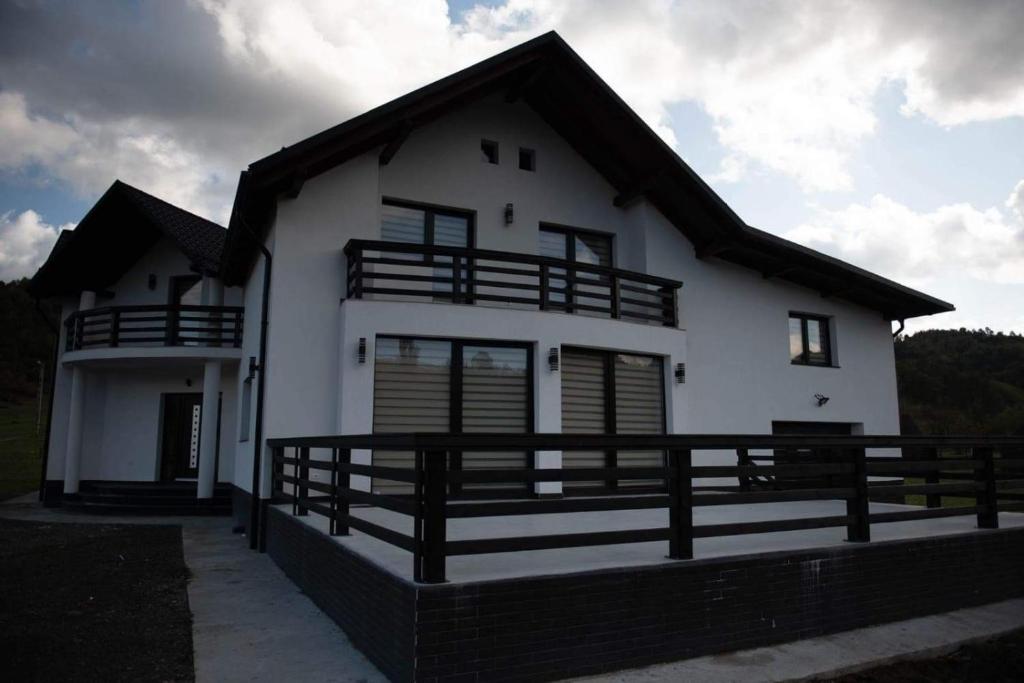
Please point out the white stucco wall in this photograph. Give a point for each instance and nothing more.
(734, 335)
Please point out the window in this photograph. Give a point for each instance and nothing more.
(527, 159)
(578, 246)
(413, 224)
(809, 342)
(489, 151)
(436, 385)
(604, 392)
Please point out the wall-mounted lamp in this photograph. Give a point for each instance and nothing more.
(509, 214)
(253, 367)
(188, 382)
(361, 353)
(553, 359)
(822, 399)
(152, 281)
(680, 373)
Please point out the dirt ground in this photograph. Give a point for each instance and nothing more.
(1000, 660)
(92, 602)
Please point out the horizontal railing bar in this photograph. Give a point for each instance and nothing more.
(771, 470)
(405, 507)
(1011, 507)
(431, 441)
(501, 256)
(538, 507)
(740, 528)
(390, 473)
(915, 489)
(749, 497)
(565, 474)
(377, 531)
(1003, 484)
(306, 483)
(900, 466)
(520, 543)
(927, 513)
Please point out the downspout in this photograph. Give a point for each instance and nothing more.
(899, 329)
(257, 452)
(49, 408)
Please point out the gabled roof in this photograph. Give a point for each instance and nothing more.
(552, 79)
(116, 232)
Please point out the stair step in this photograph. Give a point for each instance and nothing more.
(149, 498)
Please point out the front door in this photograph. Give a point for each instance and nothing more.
(180, 441)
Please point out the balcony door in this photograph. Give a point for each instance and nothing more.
(434, 385)
(605, 392)
(569, 288)
(409, 223)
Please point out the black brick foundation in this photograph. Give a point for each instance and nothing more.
(544, 628)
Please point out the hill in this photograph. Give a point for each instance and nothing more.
(961, 381)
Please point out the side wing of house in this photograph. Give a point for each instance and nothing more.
(147, 355)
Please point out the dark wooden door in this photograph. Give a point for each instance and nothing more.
(180, 442)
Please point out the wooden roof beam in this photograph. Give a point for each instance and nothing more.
(713, 249)
(635, 192)
(778, 272)
(391, 149)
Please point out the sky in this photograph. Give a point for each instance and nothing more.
(887, 134)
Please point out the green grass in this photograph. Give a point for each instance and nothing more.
(20, 448)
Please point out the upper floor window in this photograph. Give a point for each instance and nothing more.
(402, 222)
(809, 340)
(573, 244)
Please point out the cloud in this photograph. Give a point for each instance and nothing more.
(25, 240)
(177, 98)
(952, 243)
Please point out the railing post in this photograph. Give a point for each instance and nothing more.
(987, 500)
(417, 518)
(357, 276)
(456, 280)
(673, 316)
(616, 293)
(171, 338)
(743, 460)
(434, 523)
(115, 326)
(858, 507)
(276, 470)
(341, 480)
(69, 333)
(238, 330)
(544, 284)
(680, 509)
(932, 500)
(302, 474)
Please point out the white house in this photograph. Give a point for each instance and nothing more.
(509, 249)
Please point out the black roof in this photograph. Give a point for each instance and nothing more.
(553, 80)
(119, 229)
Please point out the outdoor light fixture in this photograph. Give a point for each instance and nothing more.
(188, 382)
(152, 281)
(509, 214)
(253, 367)
(361, 353)
(822, 399)
(553, 359)
(680, 373)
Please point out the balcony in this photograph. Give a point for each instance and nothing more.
(400, 271)
(154, 326)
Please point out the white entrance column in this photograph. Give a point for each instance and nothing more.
(76, 414)
(212, 295)
(208, 430)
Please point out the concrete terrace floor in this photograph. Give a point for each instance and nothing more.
(469, 568)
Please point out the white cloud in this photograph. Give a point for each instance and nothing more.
(921, 247)
(25, 240)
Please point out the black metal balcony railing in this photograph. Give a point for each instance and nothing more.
(383, 270)
(179, 325)
(314, 474)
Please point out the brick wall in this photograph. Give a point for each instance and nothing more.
(373, 607)
(547, 628)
